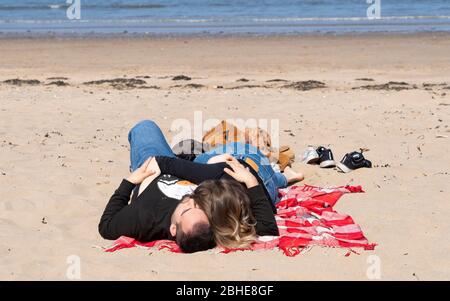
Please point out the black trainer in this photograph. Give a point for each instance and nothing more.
(352, 161)
(326, 158)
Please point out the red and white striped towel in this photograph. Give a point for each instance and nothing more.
(305, 217)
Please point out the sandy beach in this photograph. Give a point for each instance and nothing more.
(64, 148)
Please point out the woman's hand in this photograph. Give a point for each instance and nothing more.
(220, 158)
(140, 174)
(241, 173)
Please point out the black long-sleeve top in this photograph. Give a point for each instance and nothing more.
(148, 216)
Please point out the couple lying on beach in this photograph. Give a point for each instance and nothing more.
(225, 197)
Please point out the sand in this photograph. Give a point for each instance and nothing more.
(64, 149)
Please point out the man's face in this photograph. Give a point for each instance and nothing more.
(187, 214)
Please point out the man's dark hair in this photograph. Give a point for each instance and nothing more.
(200, 238)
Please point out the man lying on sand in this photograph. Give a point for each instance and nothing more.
(232, 204)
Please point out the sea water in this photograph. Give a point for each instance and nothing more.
(222, 17)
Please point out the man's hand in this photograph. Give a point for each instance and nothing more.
(152, 166)
(241, 173)
(220, 158)
(140, 174)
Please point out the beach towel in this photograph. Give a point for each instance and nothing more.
(305, 218)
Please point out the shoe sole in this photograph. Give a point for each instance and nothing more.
(343, 168)
(313, 160)
(327, 163)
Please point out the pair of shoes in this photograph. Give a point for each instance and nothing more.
(324, 157)
(321, 155)
(352, 161)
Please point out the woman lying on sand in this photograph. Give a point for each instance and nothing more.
(230, 206)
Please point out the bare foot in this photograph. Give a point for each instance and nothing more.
(292, 176)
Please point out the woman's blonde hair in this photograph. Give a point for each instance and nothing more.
(227, 206)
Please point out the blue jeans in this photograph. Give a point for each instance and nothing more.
(272, 180)
(147, 140)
